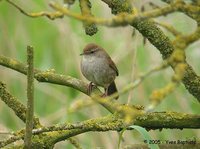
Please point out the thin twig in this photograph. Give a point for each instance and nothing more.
(170, 28)
(139, 80)
(50, 15)
(6, 133)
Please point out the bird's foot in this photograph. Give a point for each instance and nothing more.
(103, 95)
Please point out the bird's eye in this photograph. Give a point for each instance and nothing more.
(93, 50)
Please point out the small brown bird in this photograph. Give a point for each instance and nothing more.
(98, 67)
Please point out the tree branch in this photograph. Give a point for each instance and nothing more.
(49, 15)
(50, 77)
(157, 120)
(125, 115)
(119, 20)
(90, 28)
(44, 76)
(149, 30)
(30, 98)
(15, 105)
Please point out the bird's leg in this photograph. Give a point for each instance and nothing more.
(90, 86)
(106, 92)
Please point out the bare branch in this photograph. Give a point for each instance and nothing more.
(37, 14)
(169, 28)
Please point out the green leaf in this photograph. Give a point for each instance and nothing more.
(120, 137)
(145, 135)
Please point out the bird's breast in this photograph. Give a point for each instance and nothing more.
(97, 70)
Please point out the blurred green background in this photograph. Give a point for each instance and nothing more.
(57, 45)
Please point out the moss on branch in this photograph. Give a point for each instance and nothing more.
(30, 97)
(157, 120)
(15, 105)
(168, 120)
(150, 31)
(123, 115)
(44, 76)
(90, 28)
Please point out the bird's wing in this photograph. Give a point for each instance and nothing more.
(113, 66)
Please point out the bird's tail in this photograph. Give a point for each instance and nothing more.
(112, 89)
